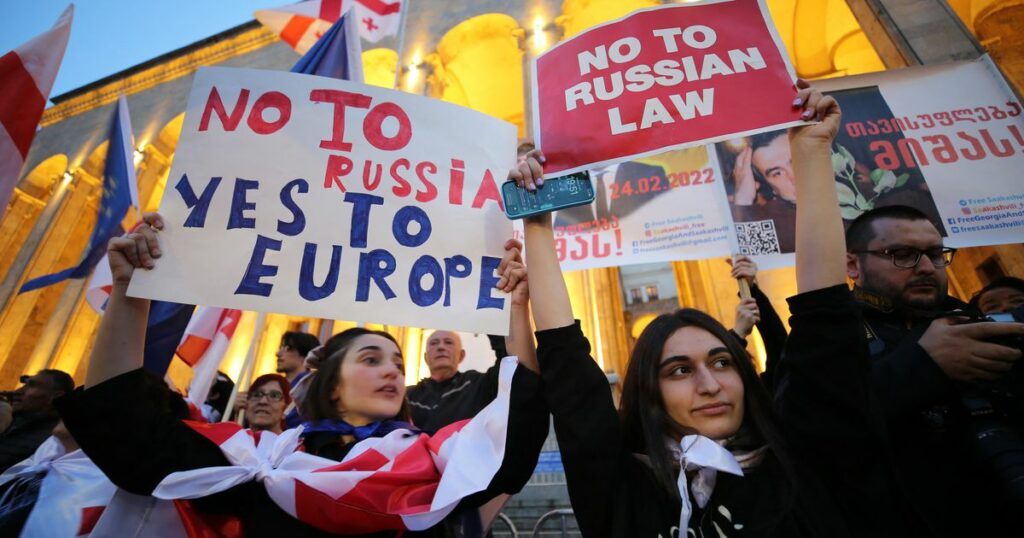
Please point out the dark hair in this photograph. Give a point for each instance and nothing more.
(220, 391)
(286, 387)
(862, 230)
(301, 342)
(60, 379)
(646, 423)
(316, 404)
(757, 142)
(1011, 282)
(761, 140)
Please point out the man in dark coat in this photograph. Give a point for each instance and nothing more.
(34, 415)
(449, 395)
(925, 365)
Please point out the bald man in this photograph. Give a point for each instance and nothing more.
(449, 395)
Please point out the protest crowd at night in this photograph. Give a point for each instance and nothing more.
(345, 306)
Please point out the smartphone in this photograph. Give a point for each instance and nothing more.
(556, 193)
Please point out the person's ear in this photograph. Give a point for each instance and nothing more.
(462, 355)
(853, 269)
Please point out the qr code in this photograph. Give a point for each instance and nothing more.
(757, 237)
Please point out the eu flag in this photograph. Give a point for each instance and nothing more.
(118, 176)
(337, 54)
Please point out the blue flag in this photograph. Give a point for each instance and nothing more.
(165, 328)
(118, 176)
(337, 54)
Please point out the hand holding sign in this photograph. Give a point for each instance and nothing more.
(138, 248)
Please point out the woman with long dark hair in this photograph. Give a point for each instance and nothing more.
(696, 448)
(260, 483)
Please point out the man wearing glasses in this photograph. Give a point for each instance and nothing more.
(925, 358)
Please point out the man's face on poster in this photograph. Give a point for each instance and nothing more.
(775, 164)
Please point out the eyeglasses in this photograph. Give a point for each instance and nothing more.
(274, 395)
(909, 257)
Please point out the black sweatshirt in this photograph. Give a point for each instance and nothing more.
(132, 436)
(823, 406)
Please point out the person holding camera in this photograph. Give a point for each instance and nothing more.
(942, 377)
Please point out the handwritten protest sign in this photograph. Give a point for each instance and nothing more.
(319, 197)
(670, 76)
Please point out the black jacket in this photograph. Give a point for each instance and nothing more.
(132, 435)
(26, 432)
(434, 405)
(823, 395)
(952, 491)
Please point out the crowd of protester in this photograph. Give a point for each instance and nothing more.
(892, 409)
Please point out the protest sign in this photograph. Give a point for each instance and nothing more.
(954, 154)
(320, 197)
(666, 77)
(665, 207)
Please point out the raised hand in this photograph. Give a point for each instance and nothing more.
(138, 248)
(745, 268)
(511, 270)
(816, 107)
(747, 315)
(529, 171)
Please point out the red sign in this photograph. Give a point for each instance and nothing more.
(665, 77)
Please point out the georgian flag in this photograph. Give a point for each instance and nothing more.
(26, 78)
(206, 340)
(72, 496)
(301, 25)
(402, 481)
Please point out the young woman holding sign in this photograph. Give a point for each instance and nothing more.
(391, 478)
(696, 448)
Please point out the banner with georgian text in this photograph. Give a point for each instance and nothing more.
(955, 154)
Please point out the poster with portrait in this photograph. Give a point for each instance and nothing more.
(953, 155)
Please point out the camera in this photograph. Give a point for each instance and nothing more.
(994, 416)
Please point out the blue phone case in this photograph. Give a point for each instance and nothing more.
(556, 193)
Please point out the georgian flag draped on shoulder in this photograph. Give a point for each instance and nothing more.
(26, 78)
(302, 24)
(72, 496)
(402, 481)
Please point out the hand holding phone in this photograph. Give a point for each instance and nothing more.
(557, 193)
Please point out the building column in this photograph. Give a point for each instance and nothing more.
(915, 32)
(54, 244)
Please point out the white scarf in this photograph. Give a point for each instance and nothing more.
(706, 457)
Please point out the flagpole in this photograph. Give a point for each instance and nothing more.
(245, 374)
(401, 41)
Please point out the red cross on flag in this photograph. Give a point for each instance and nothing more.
(301, 24)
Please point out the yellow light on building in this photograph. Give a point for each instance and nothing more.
(140, 153)
(540, 37)
(412, 76)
